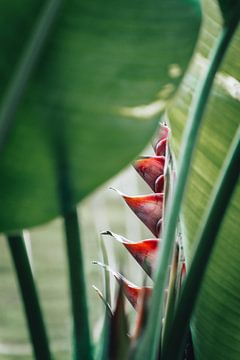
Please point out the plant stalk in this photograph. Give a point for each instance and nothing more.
(171, 299)
(82, 342)
(153, 330)
(29, 296)
(228, 179)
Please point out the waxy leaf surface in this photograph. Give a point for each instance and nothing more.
(216, 322)
(93, 99)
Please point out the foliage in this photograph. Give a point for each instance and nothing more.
(215, 315)
(78, 102)
(90, 100)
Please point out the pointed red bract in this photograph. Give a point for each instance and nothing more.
(148, 209)
(150, 168)
(131, 291)
(144, 251)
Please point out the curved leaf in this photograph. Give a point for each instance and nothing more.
(93, 99)
(216, 323)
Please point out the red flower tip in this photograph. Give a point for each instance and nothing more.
(150, 168)
(160, 147)
(133, 292)
(148, 209)
(144, 251)
(161, 142)
(183, 272)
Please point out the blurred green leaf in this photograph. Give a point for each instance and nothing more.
(229, 8)
(93, 99)
(216, 323)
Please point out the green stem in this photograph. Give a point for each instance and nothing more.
(153, 329)
(30, 297)
(107, 292)
(25, 67)
(171, 299)
(82, 341)
(174, 341)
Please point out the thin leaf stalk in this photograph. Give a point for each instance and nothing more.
(30, 297)
(171, 298)
(153, 329)
(174, 341)
(107, 292)
(103, 345)
(82, 341)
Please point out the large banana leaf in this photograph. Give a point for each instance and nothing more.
(216, 321)
(93, 98)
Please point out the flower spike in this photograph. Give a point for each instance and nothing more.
(150, 169)
(144, 251)
(148, 209)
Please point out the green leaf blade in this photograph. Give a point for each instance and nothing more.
(97, 85)
(216, 315)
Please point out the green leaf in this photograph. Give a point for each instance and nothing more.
(173, 346)
(93, 98)
(216, 321)
(229, 9)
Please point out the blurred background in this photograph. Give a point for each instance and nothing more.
(103, 210)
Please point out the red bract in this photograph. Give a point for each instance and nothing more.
(161, 143)
(183, 272)
(160, 147)
(133, 292)
(144, 251)
(130, 290)
(148, 209)
(159, 184)
(150, 168)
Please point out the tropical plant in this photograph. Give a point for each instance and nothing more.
(73, 76)
(158, 173)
